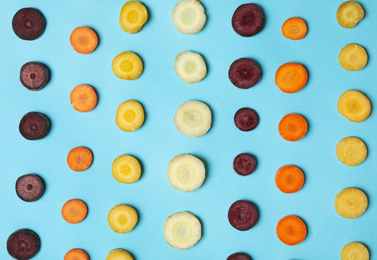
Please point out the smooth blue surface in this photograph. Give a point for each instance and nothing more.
(161, 92)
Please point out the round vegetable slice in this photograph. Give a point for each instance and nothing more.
(74, 211)
(126, 169)
(190, 67)
(28, 24)
(248, 20)
(34, 126)
(127, 65)
(122, 219)
(244, 164)
(243, 215)
(354, 105)
(349, 14)
(76, 254)
(239, 256)
(34, 75)
(291, 77)
(353, 57)
(293, 127)
(133, 16)
(244, 73)
(289, 179)
(119, 254)
(246, 119)
(30, 187)
(351, 203)
(351, 151)
(186, 172)
(83, 98)
(291, 230)
(193, 118)
(354, 250)
(182, 230)
(84, 40)
(23, 244)
(189, 16)
(129, 116)
(294, 28)
(80, 159)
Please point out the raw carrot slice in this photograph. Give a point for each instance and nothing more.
(80, 158)
(74, 211)
(76, 254)
(83, 98)
(289, 179)
(291, 77)
(293, 127)
(291, 230)
(84, 40)
(294, 28)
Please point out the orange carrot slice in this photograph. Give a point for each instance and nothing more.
(74, 211)
(76, 254)
(291, 230)
(80, 158)
(84, 40)
(294, 28)
(289, 179)
(291, 77)
(83, 98)
(293, 127)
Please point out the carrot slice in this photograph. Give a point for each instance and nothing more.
(74, 211)
(291, 77)
(289, 179)
(84, 40)
(76, 254)
(80, 158)
(293, 127)
(83, 98)
(291, 230)
(294, 28)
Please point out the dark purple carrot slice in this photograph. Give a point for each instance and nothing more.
(34, 75)
(239, 256)
(34, 126)
(246, 119)
(28, 23)
(244, 164)
(30, 187)
(244, 73)
(243, 215)
(248, 20)
(23, 244)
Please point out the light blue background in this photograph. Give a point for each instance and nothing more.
(161, 92)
